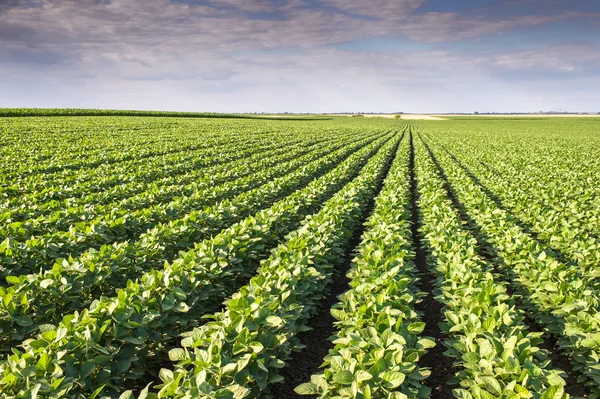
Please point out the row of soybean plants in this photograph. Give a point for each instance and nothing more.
(568, 227)
(37, 298)
(20, 112)
(148, 181)
(103, 181)
(558, 295)
(51, 149)
(55, 214)
(575, 199)
(69, 155)
(34, 243)
(121, 340)
(487, 336)
(92, 182)
(377, 345)
(54, 146)
(555, 168)
(239, 352)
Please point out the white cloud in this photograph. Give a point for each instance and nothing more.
(159, 54)
(552, 58)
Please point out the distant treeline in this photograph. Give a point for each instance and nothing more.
(111, 112)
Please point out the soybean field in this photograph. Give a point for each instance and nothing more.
(213, 256)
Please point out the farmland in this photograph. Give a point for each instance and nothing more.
(216, 256)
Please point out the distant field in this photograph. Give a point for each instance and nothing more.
(160, 256)
(524, 115)
(392, 116)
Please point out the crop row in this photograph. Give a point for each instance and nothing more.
(57, 147)
(40, 298)
(561, 197)
(556, 294)
(378, 343)
(564, 187)
(486, 334)
(58, 167)
(34, 192)
(30, 253)
(547, 218)
(97, 209)
(240, 351)
(113, 342)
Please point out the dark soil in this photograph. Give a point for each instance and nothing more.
(154, 365)
(308, 361)
(488, 253)
(559, 255)
(432, 311)
(559, 360)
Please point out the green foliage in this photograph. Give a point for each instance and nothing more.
(486, 333)
(560, 294)
(61, 112)
(240, 352)
(73, 283)
(71, 231)
(180, 257)
(378, 343)
(120, 334)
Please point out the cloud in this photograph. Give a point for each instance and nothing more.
(6, 5)
(384, 9)
(84, 24)
(258, 49)
(219, 74)
(560, 58)
(448, 27)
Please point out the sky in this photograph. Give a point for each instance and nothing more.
(419, 56)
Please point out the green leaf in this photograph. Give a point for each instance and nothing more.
(367, 392)
(275, 378)
(555, 379)
(86, 369)
(275, 321)
(165, 375)
(145, 392)
(46, 283)
(24, 320)
(44, 362)
(343, 377)
(33, 391)
(97, 392)
(177, 354)
(240, 392)
(362, 375)
(393, 378)
(426, 343)
(471, 357)
(589, 343)
(416, 328)
(308, 388)
(127, 395)
(13, 280)
(133, 340)
(554, 392)
(492, 385)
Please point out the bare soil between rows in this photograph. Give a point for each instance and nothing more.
(317, 340)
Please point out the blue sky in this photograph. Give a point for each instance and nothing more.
(302, 55)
